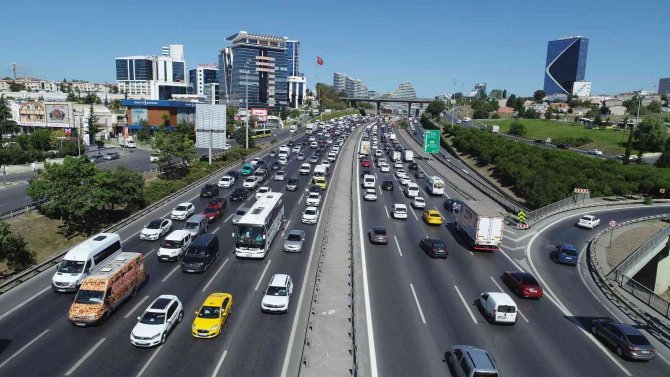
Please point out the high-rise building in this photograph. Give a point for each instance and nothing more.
(293, 57)
(566, 63)
(478, 91)
(404, 91)
(297, 91)
(254, 66)
(339, 81)
(211, 92)
(664, 86)
(202, 75)
(153, 77)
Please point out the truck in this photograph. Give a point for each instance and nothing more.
(395, 156)
(393, 138)
(365, 148)
(481, 224)
(408, 155)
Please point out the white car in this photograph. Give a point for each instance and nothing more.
(305, 169)
(384, 168)
(300, 157)
(251, 182)
(254, 161)
(596, 152)
(262, 191)
(130, 144)
(399, 211)
(310, 215)
(182, 211)
(280, 175)
(400, 173)
(404, 180)
(296, 149)
(283, 160)
(313, 199)
(226, 181)
(378, 153)
(157, 321)
(588, 221)
(332, 157)
(418, 202)
(370, 194)
(156, 229)
(398, 165)
(325, 162)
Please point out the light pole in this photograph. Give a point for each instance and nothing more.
(629, 147)
(246, 104)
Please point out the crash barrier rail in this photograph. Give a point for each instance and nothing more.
(646, 295)
(641, 252)
(21, 210)
(25, 275)
(558, 206)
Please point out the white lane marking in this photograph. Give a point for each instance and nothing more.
(149, 361)
(24, 348)
(301, 196)
(414, 213)
(214, 276)
(286, 227)
(149, 253)
(580, 272)
(135, 307)
(83, 358)
(216, 230)
(398, 245)
(466, 305)
(263, 274)
(501, 290)
(218, 365)
(171, 272)
(386, 210)
(416, 299)
(380, 191)
(228, 218)
(19, 306)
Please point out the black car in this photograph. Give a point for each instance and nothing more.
(275, 166)
(452, 205)
(210, 190)
(562, 146)
(239, 194)
(434, 247)
(419, 174)
(260, 164)
(314, 188)
(413, 166)
(291, 143)
(387, 185)
(365, 172)
(201, 254)
(318, 152)
(233, 173)
(292, 184)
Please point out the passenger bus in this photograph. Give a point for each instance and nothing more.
(435, 185)
(259, 226)
(261, 132)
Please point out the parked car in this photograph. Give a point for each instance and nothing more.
(434, 247)
(294, 241)
(566, 253)
(628, 341)
(378, 235)
(523, 284)
(156, 229)
(588, 221)
(239, 194)
(112, 156)
(157, 321)
(209, 190)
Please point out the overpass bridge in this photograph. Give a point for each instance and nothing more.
(378, 101)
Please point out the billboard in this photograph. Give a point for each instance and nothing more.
(210, 121)
(581, 88)
(32, 114)
(137, 114)
(58, 115)
(260, 114)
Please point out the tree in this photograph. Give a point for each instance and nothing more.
(517, 128)
(539, 95)
(604, 110)
(231, 111)
(548, 113)
(40, 140)
(664, 160)
(654, 107)
(480, 114)
(651, 135)
(13, 250)
(166, 120)
(71, 97)
(436, 107)
(7, 125)
(16, 86)
(511, 101)
(496, 94)
(531, 113)
(504, 94)
(144, 133)
(240, 136)
(93, 127)
(121, 186)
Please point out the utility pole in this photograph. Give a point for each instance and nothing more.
(629, 147)
(246, 103)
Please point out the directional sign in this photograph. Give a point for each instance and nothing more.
(431, 141)
(613, 223)
(581, 191)
(521, 216)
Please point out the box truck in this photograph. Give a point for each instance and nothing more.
(365, 148)
(407, 155)
(481, 224)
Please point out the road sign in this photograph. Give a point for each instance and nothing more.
(581, 191)
(521, 216)
(522, 226)
(613, 223)
(68, 131)
(431, 141)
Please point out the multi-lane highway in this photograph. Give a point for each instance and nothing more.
(36, 338)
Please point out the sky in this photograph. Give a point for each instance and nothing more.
(429, 43)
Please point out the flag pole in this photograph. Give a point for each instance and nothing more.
(316, 87)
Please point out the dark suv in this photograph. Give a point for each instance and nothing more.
(452, 205)
(387, 185)
(239, 194)
(210, 190)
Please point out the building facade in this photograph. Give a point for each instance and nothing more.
(153, 111)
(153, 77)
(664, 86)
(566, 63)
(202, 75)
(254, 71)
(478, 91)
(293, 57)
(297, 91)
(211, 91)
(339, 81)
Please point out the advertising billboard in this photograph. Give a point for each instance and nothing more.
(58, 115)
(210, 121)
(32, 114)
(260, 114)
(137, 114)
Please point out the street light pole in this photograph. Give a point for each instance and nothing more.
(629, 147)
(246, 103)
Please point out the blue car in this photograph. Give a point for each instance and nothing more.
(566, 253)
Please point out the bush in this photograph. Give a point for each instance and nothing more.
(13, 250)
(480, 114)
(572, 141)
(158, 189)
(518, 129)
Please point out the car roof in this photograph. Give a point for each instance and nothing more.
(400, 205)
(177, 235)
(568, 246)
(501, 298)
(216, 299)
(161, 303)
(625, 328)
(297, 231)
(480, 358)
(278, 280)
(184, 204)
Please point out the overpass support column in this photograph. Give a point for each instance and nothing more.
(662, 283)
(409, 109)
(378, 107)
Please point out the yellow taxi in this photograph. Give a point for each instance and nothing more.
(212, 315)
(432, 217)
(321, 182)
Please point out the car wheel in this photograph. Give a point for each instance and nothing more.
(134, 292)
(181, 316)
(163, 338)
(594, 330)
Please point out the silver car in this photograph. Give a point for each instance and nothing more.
(294, 241)
(238, 215)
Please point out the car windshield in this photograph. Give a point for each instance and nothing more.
(276, 291)
(250, 236)
(71, 267)
(85, 296)
(152, 318)
(156, 224)
(209, 312)
(210, 210)
(294, 237)
(169, 244)
(310, 212)
(180, 208)
(637, 339)
(196, 252)
(570, 252)
(239, 191)
(292, 181)
(380, 232)
(528, 279)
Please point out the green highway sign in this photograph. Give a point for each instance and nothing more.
(521, 216)
(431, 141)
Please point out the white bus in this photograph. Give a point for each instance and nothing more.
(435, 185)
(259, 226)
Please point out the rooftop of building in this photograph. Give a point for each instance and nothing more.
(243, 35)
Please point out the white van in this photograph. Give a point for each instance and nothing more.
(319, 171)
(369, 181)
(412, 190)
(498, 307)
(77, 263)
(435, 185)
(284, 150)
(174, 245)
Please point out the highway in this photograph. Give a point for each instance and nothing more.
(34, 321)
(420, 306)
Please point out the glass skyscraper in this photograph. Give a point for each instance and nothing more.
(566, 63)
(293, 56)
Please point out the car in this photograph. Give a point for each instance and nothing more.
(313, 160)
(453, 205)
(209, 190)
(384, 167)
(378, 235)
(378, 153)
(247, 169)
(277, 296)
(226, 181)
(419, 174)
(321, 182)
(404, 180)
(262, 191)
(596, 152)
(432, 217)
(251, 182)
(523, 284)
(387, 185)
(280, 175)
(97, 158)
(273, 154)
(215, 208)
(294, 241)
(233, 173)
(156, 229)
(332, 157)
(112, 156)
(254, 161)
(262, 174)
(282, 160)
(566, 253)
(295, 149)
(325, 163)
(292, 184)
(238, 214)
(399, 211)
(305, 169)
(418, 202)
(182, 211)
(212, 315)
(157, 321)
(275, 166)
(365, 163)
(370, 194)
(588, 221)
(300, 157)
(313, 199)
(434, 247)
(314, 188)
(400, 172)
(310, 215)
(470, 361)
(239, 194)
(562, 146)
(627, 340)
(290, 143)
(155, 155)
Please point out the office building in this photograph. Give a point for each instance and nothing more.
(664, 86)
(404, 91)
(339, 81)
(297, 91)
(293, 57)
(478, 91)
(202, 75)
(211, 92)
(153, 77)
(566, 63)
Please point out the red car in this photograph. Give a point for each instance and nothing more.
(522, 284)
(214, 209)
(365, 163)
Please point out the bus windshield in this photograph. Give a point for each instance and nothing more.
(252, 236)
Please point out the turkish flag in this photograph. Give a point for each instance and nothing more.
(319, 61)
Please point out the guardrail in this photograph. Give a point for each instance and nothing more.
(21, 210)
(650, 298)
(641, 252)
(558, 206)
(23, 276)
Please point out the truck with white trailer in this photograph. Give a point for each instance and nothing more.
(408, 155)
(481, 224)
(365, 148)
